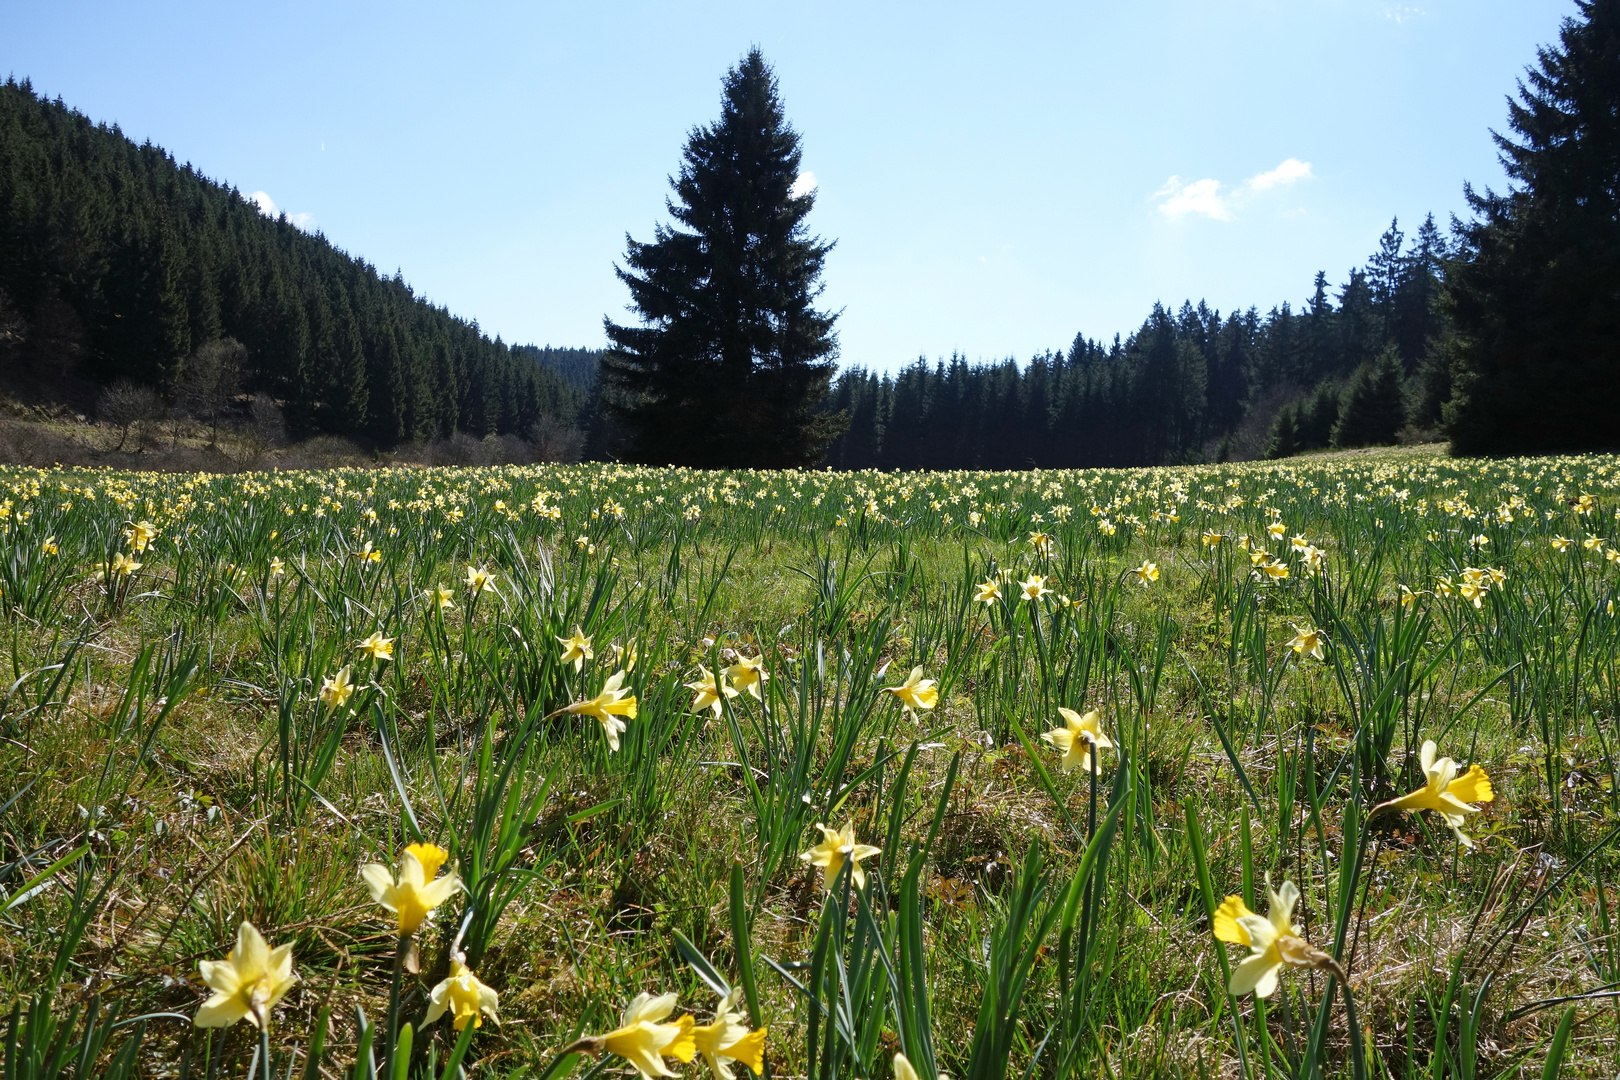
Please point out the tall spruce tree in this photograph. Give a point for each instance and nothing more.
(1535, 295)
(732, 361)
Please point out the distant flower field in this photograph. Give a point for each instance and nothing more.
(1256, 770)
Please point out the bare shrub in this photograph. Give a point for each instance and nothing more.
(211, 379)
(125, 405)
(555, 442)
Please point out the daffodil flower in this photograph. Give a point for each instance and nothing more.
(988, 592)
(624, 655)
(644, 1040)
(1561, 543)
(835, 847)
(443, 597)
(336, 689)
(1307, 641)
(1034, 588)
(1277, 529)
(1272, 940)
(478, 580)
(1076, 739)
(367, 554)
(1274, 569)
(277, 567)
(708, 690)
(378, 647)
(1147, 573)
(247, 984)
(1447, 794)
(748, 675)
(916, 692)
(49, 546)
(728, 1039)
(612, 703)
(464, 998)
(140, 535)
(416, 893)
(903, 1069)
(124, 565)
(576, 649)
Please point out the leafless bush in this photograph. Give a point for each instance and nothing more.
(210, 380)
(125, 405)
(554, 442)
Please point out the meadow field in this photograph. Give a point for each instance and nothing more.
(1263, 770)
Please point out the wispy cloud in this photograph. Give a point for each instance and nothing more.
(1287, 173)
(1402, 12)
(804, 185)
(1210, 198)
(267, 206)
(1201, 197)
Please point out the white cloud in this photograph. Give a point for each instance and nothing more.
(1199, 197)
(1289, 171)
(1210, 198)
(267, 206)
(1401, 12)
(804, 185)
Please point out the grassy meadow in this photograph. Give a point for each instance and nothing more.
(620, 701)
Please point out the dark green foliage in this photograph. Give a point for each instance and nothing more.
(1317, 415)
(1284, 440)
(1535, 291)
(119, 262)
(1186, 387)
(1373, 406)
(732, 361)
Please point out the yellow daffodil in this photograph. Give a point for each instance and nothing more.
(378, 647)
(1591, 543)
(576, 649)
(1106, 527)
(247, 984)
(728, 1039)
(140, 535)
(1561, 543)
(124, 565)
(1474, 592)
(416, 893)
(1147, 573)
(1277, 530)
(748, 675)
(624, 656)
(1041, 542)
(644, 1040)
(443, 597)
(1274, 570)
(277, 567)
(49, 546)
(1447, 794)
(1272, 941)
(612, 703)
(367, 554)
(1077, 738)
(834, 848)
(464, 998)
(1307, 641)
(916, 692)
(1312, 558)
(1408, 597)
(988, 592)
(903, 1069)
(335, 690)
(1298, 542)
(706, 692)
(1212, 538)
(1034, 588)
(478, 580)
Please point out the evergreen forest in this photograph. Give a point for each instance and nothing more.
(119, 263)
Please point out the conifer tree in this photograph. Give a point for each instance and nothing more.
(1536, 293)
(732, 359)
(1373, 406)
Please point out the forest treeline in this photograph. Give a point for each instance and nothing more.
(1188, 385)
(119, 263)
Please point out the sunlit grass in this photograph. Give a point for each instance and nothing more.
(1252, 655)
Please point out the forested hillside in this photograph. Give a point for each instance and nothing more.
(1186, 386)
(117, 262)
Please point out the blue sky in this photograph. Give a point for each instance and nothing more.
(998, 177)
